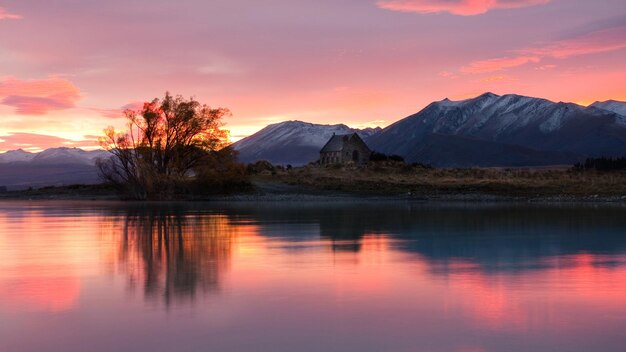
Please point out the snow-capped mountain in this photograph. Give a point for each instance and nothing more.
(18, 155)
(51, 167)
(493, 130)
(292, 142)
(489, 130)
(618, 107)
(54, 156)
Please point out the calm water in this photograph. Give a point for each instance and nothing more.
(326, 277)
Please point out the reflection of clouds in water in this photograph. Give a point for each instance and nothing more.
(504, 268)
(35, 293)
(312, 277)
(564, 287)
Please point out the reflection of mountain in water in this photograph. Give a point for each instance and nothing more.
(494, 236)
(173, 255)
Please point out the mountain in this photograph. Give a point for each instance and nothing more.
(292, 142)
(52, 167)
(17, 176)
(618, 107)
(459, 151)
(508, 130)
(18, 155)
(68, 156)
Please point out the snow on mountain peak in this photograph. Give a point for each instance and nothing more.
(18, 155)
(292, 142)
(61, 155)
(618, 107)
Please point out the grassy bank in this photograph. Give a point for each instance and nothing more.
(73, 192)
(416, 181)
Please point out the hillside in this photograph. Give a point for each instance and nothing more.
(508, 130)
(291, 142)
(488, 130)
(52, 167)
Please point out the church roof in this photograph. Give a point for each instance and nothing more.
(336, 142)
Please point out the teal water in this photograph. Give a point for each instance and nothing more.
(91, 276)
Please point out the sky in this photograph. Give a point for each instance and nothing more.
(68, 68)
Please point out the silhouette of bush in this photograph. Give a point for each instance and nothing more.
(376, 156)
(602, 164)
(261, 166)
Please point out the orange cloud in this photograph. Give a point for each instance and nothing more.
(595, 42)
(6, 15)
(38, 97)
(455, 7)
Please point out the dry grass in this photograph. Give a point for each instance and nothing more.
(395, 179)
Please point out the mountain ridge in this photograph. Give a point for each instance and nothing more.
(61, 166)
(292, 142)
(60, 155)
(523, 130)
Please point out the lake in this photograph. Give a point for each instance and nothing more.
(335, 276)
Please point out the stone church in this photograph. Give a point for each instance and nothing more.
(344, 149)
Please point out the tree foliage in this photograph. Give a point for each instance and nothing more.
(376, 156)
(167, 143)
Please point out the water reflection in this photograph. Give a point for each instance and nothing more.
(172, 255)
(311, 277)
(493, 235)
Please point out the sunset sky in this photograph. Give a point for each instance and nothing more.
(69, 67)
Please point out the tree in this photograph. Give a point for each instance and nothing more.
(165, 141)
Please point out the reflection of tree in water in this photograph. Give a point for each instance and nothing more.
(174, 256)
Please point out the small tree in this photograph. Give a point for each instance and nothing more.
(164, 142)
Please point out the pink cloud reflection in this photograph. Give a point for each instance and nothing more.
(48, 294)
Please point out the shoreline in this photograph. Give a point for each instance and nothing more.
(62, 194)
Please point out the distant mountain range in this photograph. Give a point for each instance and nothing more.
(20, 169)
(489, 130)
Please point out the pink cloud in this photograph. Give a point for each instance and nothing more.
(37, 97)
(455, 7)
(6, 15)
(447, 74)
(595, 42)
(34, 141)
(117, 113)
(546, 67)
(498, 64)
(591, 43)
(497, 78)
